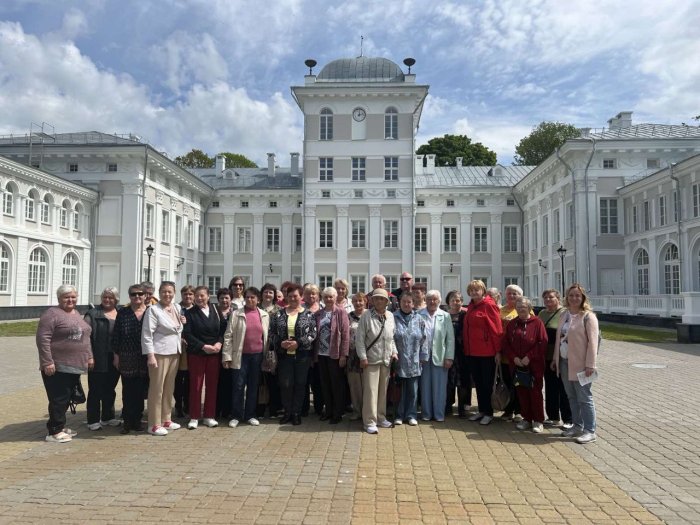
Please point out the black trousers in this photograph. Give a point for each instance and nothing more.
(293, 372)
(59, 388)
(333, 386)
(224, 389)
(556, 402)
(514, 406)
(483, 369)
(101, 394)
(133, 389)
(314, 383)
(459, 377)
(182, 391)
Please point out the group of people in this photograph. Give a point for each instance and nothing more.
(262, 352)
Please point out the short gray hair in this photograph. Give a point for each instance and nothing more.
(110, 290)
(329, 291)
(64, 289)
(378, 276)
(524, 300)
(515, 288)
(434, 293)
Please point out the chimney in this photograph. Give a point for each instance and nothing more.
(419, 164)
(459, 161)
(220, 165)
(585, 132)
(270, 164)
(430, 167)
(295, 164)
(621, 121)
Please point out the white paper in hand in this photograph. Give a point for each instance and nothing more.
(583, 379)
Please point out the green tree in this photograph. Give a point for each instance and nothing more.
(542, 142)
(195, 159)
(449, 147)
(236, 160)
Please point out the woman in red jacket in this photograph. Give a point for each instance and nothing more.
(481, 334)
(524, 347)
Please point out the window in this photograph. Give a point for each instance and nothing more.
(358, 234)
(696, 200)
(392, 282)
(178, 230)
(653, 163)
(480, 202)
(449, 236)
(326, 194)
(556, 236)
(72, 168)
(642, 263)
(510, 280)
(484, 280)
(570, 221)
(358, 194)
(112, 167)
(76, 218)
(391, 234)
(535, 238)
(420, 239)
(70, 269)
(325, 234)
(244, 204)
(390, 194)
(510, 239)
(326, 124)
(510, 202)
(37, 271)
(325, 169)
(358, 168)
(298, 240)
(325, 281)
(423, 280)
(391, 169)
(609, 164)
(244, 240)
(545, 230)
(273, 239)
(391, 124)
(273, 204)
(214, 239)
(4, 268)
(165, 226)
(190, 234)
(480, 239)
(635, 221)
(214, 283)
(65, 207)
(358, 283)
(420, 203)
(646, 215)
(214, 204)
(8, 200)
(29, 206)
(45, 210)
(450, 203)
(676, 207)
(672, 271)
(662, 210)
(149, 220)
(608, 216)
(299, 204)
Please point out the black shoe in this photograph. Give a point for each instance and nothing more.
(285, 419)
(296, 420)
(335, 420)
(126, 428)
(324, 417)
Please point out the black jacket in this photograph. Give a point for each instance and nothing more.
(200, 330)
(100, 339)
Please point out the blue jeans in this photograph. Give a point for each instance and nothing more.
(433, 391)
(580, 399)
(408, 405)
(246, 379)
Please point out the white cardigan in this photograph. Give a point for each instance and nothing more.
(159, 335)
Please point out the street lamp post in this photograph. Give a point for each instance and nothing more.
(562, 253)
(149, 252)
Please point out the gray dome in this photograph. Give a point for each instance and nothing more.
(361, 69)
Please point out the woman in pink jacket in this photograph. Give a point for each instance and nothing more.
(575, 351)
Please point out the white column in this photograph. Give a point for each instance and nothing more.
(19, 211)
(435, 250)
(342, 245)
(407, 237)
(158, 227)
(259, 246)
(287, 247)
(21, 272)
(496, 250)
(172, 261)
(229, 247)
(55, 211)
(375, 237)
(55, 278)
(131, 261)
(309, 244)
(465, 237)
(687, 264)
(195, 244)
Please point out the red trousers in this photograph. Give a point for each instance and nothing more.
(203, 369)
(531, 401)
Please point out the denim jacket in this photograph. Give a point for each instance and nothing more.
(410, 339)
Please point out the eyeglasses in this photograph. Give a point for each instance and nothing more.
(406, 278)
(135, 294)
(238, 285)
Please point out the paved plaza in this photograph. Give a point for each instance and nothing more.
(644, 468)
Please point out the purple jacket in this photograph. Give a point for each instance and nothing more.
(340, 333)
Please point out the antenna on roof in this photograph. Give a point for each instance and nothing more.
(310, 63)
(362, 41)
(409, 62)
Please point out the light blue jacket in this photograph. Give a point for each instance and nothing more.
(409, 335)
(443, 337)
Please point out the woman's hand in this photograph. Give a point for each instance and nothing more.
(49, 370)
(497, 357)
(91, 363)
(183, 319)
(589, 371)
(115, 361)
(554, 367)
(364, 363)
(342, 361)
(151, 361)
(447, 363)
(525, 361)
(289, 344)
(518, 362)
(227, 364)
(217, 347)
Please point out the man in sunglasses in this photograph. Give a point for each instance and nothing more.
(405, 284)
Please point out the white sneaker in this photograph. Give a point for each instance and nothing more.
(171, 425)
(111, 423)
(71, 433)
(95, 426)
(586, 437)
(210, 422)
(385, 424)
(476, 417)
(398, 422)
(486, 420)
(193, 424)
(572, 432)
(412, 421)
(372, 429)
(157, 430)
(523, 425)
(233, 423)
(537, 428)
(61, 437)
(567, 426)
(253, 421)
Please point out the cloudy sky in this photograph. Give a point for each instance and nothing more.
(215, 74)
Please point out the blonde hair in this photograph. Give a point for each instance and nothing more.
(476, 284)
(585, 304)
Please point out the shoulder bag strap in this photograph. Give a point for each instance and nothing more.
(378, 335)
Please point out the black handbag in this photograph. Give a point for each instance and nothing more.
(523, 377)
(500, 395)
(77, 396)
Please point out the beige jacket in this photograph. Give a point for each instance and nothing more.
(235, 335)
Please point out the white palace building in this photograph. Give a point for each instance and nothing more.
(617, 209)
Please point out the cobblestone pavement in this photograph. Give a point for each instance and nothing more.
(645, 467)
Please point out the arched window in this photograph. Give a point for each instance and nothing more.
(65, 211)
(391, 123)
(672, 270)
(37, 271)
(4, 268)
(326, 124)
(30, 205)
(46, 209)
(642, 264)
(70, 269)
(76, 217)
(8, 200)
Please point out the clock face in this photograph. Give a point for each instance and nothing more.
(359, 114)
